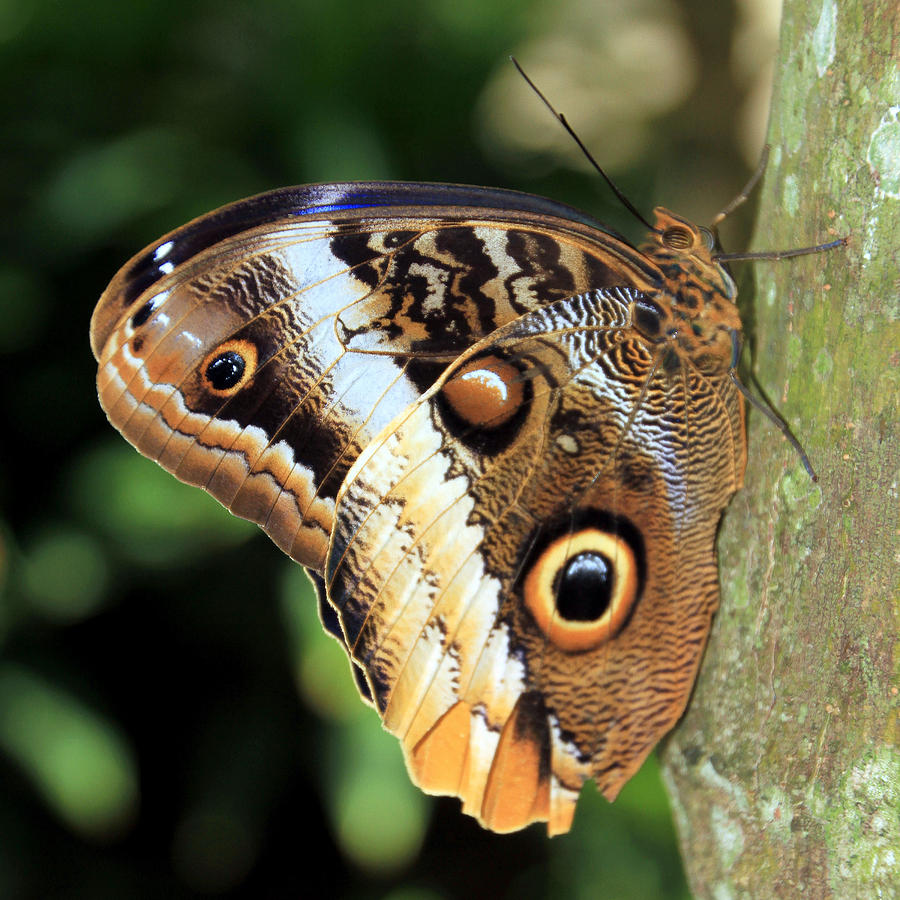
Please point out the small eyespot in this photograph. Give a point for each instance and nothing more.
(229, 367)
(582, 588)
(677, 237)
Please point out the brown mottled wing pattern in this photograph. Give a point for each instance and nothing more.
(454, 542)
(501, 435)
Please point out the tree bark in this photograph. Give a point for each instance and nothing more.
(785, 772)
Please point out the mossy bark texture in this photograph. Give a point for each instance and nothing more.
(785, 771)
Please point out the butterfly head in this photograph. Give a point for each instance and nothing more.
(698, 293)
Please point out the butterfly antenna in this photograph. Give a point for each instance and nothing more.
(765, 408)
(565, 124)
(746, 191)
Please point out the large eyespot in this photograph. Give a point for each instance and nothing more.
(582, 587)
(229, 367)
(486, 392)
(678, 237)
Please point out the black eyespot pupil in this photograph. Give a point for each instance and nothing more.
(143, 313)
(226, 370)
(585, 587)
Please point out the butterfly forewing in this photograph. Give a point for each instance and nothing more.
(337, 317)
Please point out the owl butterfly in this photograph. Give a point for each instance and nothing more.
(498, 436)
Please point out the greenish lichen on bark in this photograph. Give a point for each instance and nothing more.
(785, 771)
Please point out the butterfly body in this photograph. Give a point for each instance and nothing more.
(501, 436)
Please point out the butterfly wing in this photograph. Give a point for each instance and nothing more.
(465, 403)
(255, 351)
(523, 561)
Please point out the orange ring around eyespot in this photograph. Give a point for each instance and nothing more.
(485, 392)
(540, 593)
(248, 353)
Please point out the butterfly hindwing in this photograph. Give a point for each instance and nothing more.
(484, 568)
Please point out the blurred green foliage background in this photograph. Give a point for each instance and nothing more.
(172, 720)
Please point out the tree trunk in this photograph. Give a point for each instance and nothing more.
(785, 772)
